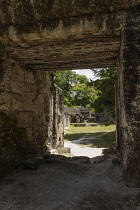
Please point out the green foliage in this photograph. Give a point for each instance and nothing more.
(96, 95)
(84, 95)
(65, 80)
(105, 86)
(76, 88)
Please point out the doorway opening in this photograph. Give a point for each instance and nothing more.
(89, 111)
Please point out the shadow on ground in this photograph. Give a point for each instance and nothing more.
(67, 183)
(100, 139)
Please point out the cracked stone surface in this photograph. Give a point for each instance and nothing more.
(44, 35)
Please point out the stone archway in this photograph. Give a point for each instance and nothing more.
(40, 36)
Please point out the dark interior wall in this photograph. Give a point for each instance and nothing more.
(128, 100)
(25, 96)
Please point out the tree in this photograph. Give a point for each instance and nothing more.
(76, 88)
(96, 95)
(105, 86)
(65, 80)
(84, 95)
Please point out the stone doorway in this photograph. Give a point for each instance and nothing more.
(73, 34)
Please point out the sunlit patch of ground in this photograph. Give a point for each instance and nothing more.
(105, 135)
(90, 141)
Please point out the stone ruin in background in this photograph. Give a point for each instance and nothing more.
(84, 115)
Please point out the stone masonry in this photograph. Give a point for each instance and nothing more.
(40, 36)
(29, 96)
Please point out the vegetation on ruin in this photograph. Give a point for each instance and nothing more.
(105, 135)
(96, 95)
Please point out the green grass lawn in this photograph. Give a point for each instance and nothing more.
(108, 138)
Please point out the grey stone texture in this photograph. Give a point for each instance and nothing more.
(28, 96)
(84, 115)
(128, 104)
(37, 36)
(43, 33)
(56, 127)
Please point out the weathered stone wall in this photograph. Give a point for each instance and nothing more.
(128, 98)
(46, 34)
(64, 34)
(56, 124)
(75, 115)
(25, 95)
(105, 117)
(81, 115)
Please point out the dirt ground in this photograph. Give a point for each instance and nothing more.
(67, 184)
(80, 147)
